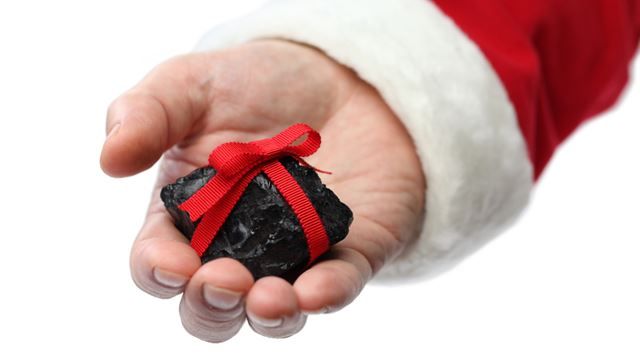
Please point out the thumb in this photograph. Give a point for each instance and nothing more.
(156, 114)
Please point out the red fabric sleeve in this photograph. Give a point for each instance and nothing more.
(561, 61)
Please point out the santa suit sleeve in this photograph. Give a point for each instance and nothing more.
(486, 88)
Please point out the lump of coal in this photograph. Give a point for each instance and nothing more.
(262, 232)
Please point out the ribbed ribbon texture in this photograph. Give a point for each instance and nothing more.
(237, 164)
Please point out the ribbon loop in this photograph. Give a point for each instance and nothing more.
(232, 158)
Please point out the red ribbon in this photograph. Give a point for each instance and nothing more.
(236, 165)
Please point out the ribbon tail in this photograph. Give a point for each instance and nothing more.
(306, 164)
(216, 215)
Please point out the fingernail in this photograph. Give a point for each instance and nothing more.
(113, 130)
(322, 310)
(169, 279)
(219, 298)
(265, 322)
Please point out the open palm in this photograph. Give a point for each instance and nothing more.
(187, 106)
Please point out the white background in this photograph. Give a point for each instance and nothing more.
(564, 282)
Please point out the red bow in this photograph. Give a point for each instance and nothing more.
(236, 165)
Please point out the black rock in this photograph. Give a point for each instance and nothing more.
(262, 231)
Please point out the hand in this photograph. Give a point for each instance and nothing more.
(190, 104)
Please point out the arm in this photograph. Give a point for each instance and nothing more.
(561, 62)
(404, 84)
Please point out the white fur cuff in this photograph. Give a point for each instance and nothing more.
(440, 85)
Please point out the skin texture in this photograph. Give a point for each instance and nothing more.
(188, 105)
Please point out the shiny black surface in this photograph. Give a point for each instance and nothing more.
(262, 231)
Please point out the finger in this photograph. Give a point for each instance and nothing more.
(212, 307)
(154, 115)
(339, 277)
(333, 283)
(161, 259)
(272, 308)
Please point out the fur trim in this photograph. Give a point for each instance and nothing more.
(443, 89)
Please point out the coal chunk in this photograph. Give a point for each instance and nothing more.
(262, 232)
